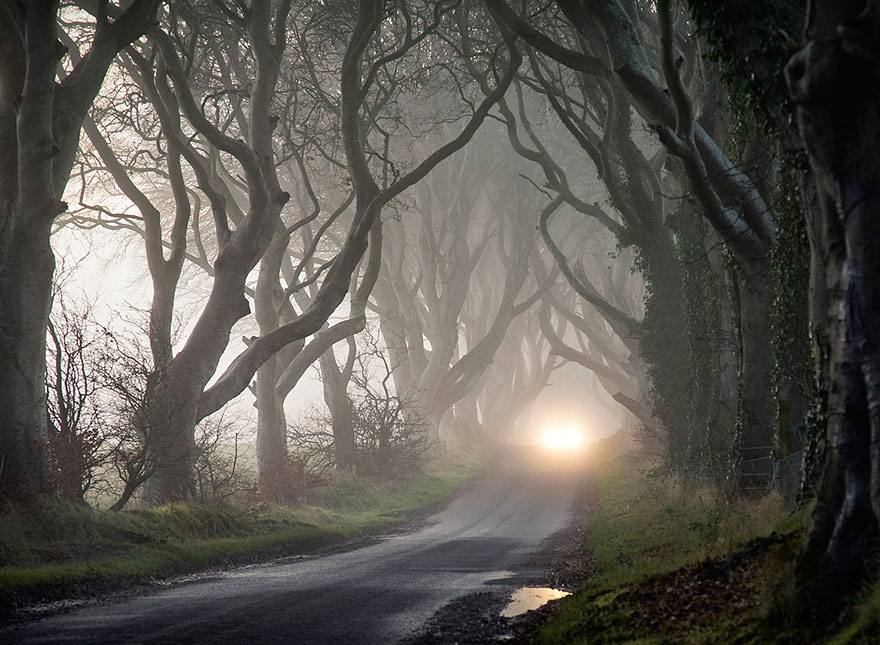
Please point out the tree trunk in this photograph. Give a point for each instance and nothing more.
(271, 420)
(757, 404)
(166, 422)
(663, 343)
(25, 296)
(341, 414)
(40, 123)
(170, 412)
(834, 82)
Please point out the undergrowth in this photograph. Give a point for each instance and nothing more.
(679, 564)
(55, 545)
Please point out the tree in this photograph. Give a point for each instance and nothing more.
(163, 188)
(833, 81)
(190, 65)
(40, 121)
(77, 424)
(580, 333)
(825, 105)
(729, 199)
(520, 371)
(634, 175)
(442, 307)
(178, 396)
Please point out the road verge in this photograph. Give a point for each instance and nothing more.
(53, 552)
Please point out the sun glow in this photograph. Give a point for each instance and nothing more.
(563, 438)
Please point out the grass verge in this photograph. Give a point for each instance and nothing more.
(680, 565)
(52, 549)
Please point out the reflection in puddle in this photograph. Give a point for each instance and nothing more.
(498, 575)
(527, 598)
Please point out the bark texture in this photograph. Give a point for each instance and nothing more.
(835, 81)
(40, 122)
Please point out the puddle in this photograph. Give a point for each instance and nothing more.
(527, 598)
(498, 575)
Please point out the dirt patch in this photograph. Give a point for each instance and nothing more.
(716, 601)
(469, 620)
(698, 595)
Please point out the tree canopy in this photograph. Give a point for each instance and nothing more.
(445, 206)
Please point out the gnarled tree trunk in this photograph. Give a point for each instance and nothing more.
(40, 121)
(335, 382)
(834, 81)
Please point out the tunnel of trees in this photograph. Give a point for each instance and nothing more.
(442, 207)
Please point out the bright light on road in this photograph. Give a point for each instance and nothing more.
(563, 438)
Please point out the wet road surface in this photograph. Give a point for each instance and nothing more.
(374, 594)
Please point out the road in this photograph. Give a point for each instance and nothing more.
(378, 593)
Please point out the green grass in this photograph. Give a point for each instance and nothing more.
(649, 525)
(685, 565)
(677, 564)
(54, 545)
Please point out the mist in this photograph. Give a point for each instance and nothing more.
(440, 312)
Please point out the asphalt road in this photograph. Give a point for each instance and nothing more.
(378, 593)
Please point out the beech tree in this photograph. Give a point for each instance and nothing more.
(631, 175)
(825, 104)
(454, 276)
(177, 395)
(163, 188)
(42, 107)
(611, 47)
(838, 114)
(579, 332)
(521, 369)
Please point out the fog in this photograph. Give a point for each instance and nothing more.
(456, 322)
(327, 266)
